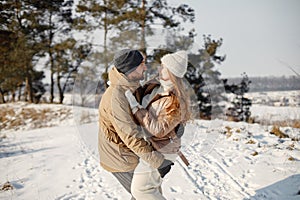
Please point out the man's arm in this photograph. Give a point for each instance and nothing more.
(128, 131)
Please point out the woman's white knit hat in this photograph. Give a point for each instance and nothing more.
(176, 63)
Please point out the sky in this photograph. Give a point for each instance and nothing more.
(260, 37)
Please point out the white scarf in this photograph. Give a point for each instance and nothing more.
(166, 85)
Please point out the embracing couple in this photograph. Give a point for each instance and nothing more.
(140, 126)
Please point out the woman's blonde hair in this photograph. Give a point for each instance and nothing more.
(183, 96)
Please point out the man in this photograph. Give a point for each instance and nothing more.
(120, 140)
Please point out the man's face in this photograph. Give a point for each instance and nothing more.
(138, 73)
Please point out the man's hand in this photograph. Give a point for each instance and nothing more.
(179, 130)
(165, 167)
(134, 105)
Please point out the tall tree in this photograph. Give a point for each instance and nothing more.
(143, 14)
(23, 18)
(103, 15)
(240, 108)
(9, 76)
(69, 56)
(133, 19)
(174, 41)
(205, 79)
(58, 17)
(201, 73)
(85, 87)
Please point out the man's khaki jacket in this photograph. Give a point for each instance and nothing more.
(120, 140)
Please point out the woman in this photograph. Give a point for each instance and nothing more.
(163, 108)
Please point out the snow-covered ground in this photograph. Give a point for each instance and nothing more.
(58, 159)
(275, 98)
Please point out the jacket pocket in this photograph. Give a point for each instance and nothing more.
(128, 155)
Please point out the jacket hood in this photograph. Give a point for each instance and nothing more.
(118, 79)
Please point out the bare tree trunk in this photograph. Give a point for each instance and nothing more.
(60, 91)
(51, 62)
(51, 85)
(143, 26)
(28, 86)
(2, 99)
(105, 75)
(20, 93)
(13, 96)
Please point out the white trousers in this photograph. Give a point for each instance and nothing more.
(146, 181)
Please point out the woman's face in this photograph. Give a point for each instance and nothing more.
(163, 73)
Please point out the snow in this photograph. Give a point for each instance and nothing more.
(228, 160)
(275, 98)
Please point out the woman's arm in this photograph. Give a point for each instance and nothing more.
(161, 117)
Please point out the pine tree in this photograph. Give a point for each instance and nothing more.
(95, 15)
(24, 19)
(131, 20)
(85, 87)
(9, 73)
(143, 14)
(174, 41)
(201, 75)
(68, 58)
(58, 17)
(206, 80)
(240, 109)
